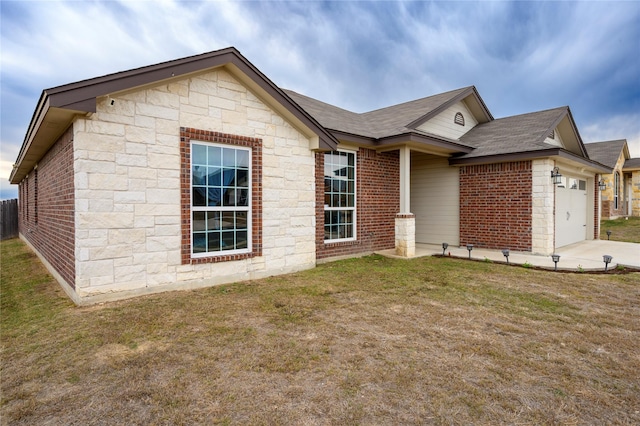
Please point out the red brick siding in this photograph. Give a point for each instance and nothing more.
(186, 134)
(378, 202)
(47, 207)
(496, 205)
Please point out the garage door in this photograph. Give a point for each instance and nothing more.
(571, 211)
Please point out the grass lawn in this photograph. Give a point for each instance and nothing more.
(360, 341)
(621, 229)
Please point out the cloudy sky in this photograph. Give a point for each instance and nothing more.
(522, 56)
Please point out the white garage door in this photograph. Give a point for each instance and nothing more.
(571, 211)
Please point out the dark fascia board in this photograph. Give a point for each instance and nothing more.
(353, 138)
(530, 155)
(423, 139)
(80, 97)
(471, 90)
(83, 94)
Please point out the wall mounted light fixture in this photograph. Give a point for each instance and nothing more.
(556, 176)
(602, 185)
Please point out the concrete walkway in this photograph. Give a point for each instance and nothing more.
(586, 255)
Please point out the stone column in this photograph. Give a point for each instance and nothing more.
(405, 235)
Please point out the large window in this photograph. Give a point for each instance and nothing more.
(220, 199)
(339, 196)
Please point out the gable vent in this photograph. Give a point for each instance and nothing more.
(552, 135)
(459, 119)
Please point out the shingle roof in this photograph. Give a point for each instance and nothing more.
(519, 133)
(607, 152)
(380, 123)
(631, 164)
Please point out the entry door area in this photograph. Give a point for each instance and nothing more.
(435, 199)
(571, 211)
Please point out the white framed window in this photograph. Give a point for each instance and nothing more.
(220, 199)
(339, 196)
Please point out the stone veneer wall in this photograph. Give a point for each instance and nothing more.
(378, 202)
(635, 193)
(543, 207)
(128, 188)
(46, 216)
(496, 205)
(608, 199)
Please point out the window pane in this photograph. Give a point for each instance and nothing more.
(199, 242)
(241, 220)
(228, 242)
(199, 223)
(198, 154)
(198, 175)
(228, 157)
(229, 197)
(242, 240)
(198, 196)
(213, 221)
(228, 220)
(229, 177)
(214, 196)
(215, 156)
(243, 158)
(214, 241)
(243, 178)
(215, 176)
(242, 197)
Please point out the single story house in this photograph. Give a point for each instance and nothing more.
(631, 170)
(201, 171)
(616, 188)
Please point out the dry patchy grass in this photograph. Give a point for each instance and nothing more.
(360, 341)
(623, 229)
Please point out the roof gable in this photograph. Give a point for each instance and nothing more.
(608, 152)
(58, 106)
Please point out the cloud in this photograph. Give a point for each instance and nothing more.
(522, 56)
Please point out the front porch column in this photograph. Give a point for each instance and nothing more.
(405, 225)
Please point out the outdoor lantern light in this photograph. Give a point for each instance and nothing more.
(556, 259)
(608, 234)
(444, 247)
(602, 185)
(556, 176)
(469, 247)
(607, 259)
(505, 253)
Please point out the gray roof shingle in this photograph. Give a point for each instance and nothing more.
(607, 152)
(519, 133)
(380, 123)
(631, 164)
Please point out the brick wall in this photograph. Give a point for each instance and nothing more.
(47, 207)
(378, 202)
(496, 205)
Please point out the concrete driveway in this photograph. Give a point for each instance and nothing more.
(586, 255)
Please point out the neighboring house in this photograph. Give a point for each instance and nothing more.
(631, 172)
(617, 191)
(201, 171)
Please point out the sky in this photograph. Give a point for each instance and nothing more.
(521, 56)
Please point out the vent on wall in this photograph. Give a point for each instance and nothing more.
(552, 135)
(459, 119)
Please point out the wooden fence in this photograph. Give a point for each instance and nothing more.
(9, 219)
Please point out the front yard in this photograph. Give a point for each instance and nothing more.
(623, 229)
(360, 341)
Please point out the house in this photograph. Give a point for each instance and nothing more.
(631, 170)
(616, 192)
(201, 171)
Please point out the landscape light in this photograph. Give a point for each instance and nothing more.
(556, 259)
(607, 259)
(469, 247)
(444, 247)
(608, 234)
(505, 253)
